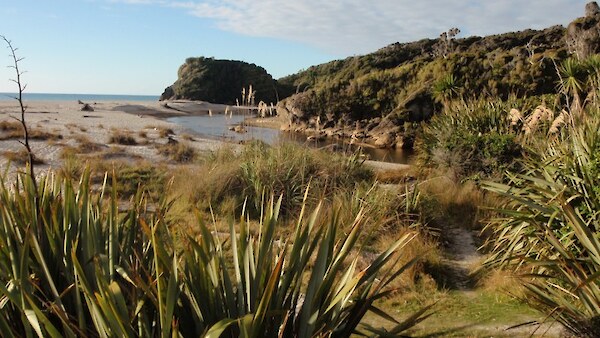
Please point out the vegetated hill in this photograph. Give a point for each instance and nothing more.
(221, 81)
(377, 98)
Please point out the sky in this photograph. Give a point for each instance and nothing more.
(135, 47)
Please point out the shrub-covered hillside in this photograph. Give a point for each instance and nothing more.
(220, 81)
(377, 97)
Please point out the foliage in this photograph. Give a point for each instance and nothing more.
(286, 169)
(548, 228)
(472, 138)
(89, 269)
(389, 81)
(446, 89)
(279, 289)
(122, 137)
(578, 77)
(220, 81)
(179, 152)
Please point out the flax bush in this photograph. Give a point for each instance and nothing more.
(76, 264)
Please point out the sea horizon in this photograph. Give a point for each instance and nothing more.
(87, 98)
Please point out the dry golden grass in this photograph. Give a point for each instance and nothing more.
(86, 146)
(21, 157)
(164, 132)
(424, 248)
(393, 176)
(10, 130)
(187, 137)
(502, 281)
(10, 126)
(454, 202)
(178, 152)
(122, 137)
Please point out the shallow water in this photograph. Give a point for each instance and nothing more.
(217, 127)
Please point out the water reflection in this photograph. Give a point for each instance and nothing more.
(217, 127)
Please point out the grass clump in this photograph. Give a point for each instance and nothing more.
(122, 138)
(178, 152)
(285, 169)
(471, 139)
(165, 132)
(14, 130)
(21, 157)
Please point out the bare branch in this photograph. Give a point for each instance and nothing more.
(19, 98)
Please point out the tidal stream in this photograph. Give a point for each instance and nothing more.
(217, 127)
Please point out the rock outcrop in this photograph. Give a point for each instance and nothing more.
(592, 9)
(583, 34)
(168, 94)
(221, 81)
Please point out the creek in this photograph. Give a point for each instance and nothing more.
(217, 127)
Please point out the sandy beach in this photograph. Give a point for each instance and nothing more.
(57, 126)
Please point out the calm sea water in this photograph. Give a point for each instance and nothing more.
(75, 97)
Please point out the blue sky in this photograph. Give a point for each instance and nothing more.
(136, 46)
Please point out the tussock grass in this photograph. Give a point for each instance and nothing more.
(21, 157)
(122, 138)
(86, 146)
(10, 126)
(13, 130)
(287, 170)
(179, 152)
(165, 132)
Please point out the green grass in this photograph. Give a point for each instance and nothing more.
(471, 314)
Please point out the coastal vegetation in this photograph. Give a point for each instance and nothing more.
(285, 240)
(219, 81)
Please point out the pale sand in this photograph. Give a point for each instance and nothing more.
(66, 119)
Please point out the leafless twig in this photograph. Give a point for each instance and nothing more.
(19, 98)
(30, 165)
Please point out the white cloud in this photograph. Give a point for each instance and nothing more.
(346, 27)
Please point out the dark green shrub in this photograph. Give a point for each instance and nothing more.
(473, 138)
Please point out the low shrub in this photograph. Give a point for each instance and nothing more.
(472, 138)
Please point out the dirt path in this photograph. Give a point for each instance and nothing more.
(460, 256)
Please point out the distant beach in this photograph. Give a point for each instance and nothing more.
(83, 97)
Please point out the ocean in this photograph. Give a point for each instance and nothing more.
(88, 98)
